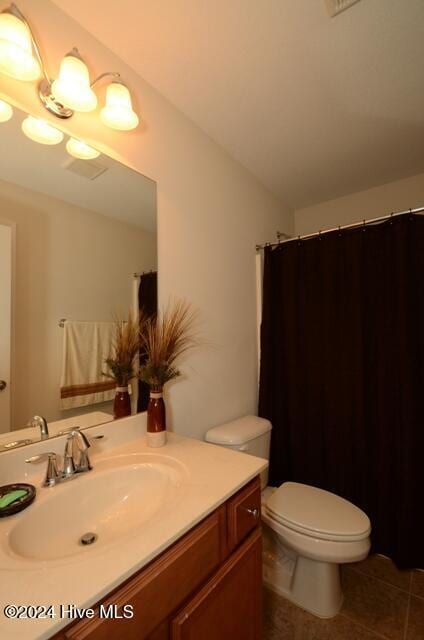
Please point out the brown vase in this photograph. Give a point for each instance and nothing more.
(122, 403)
(156, 419)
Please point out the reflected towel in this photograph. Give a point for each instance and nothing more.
(86, 345)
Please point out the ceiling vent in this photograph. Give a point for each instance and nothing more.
(87, 169)
(334, 7)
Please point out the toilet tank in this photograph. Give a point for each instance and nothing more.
(249, 434)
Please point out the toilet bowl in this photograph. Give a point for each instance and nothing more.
(323, 531)
(308, 532)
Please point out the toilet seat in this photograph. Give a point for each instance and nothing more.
(317, 513)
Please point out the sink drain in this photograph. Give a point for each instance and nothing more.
(88, 538)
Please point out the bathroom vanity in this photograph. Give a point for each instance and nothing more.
(207, 585)
(178, 544)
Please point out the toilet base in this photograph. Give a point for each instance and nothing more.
(313, 586)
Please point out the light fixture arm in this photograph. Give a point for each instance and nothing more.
(111, 74)
(15, 11)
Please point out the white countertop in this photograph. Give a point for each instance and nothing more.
(212, 475)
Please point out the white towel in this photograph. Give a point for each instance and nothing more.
(86, 345)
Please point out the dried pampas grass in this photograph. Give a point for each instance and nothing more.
(126, 346)
(164, 339)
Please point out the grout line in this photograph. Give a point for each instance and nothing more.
(408, 593)
(389, 584)
(363, 626)
(405, 633)
(301, 613)
(411, 591)
(414, 595)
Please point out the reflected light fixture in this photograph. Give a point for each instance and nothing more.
(72, 88)
(81, 150)
(17, 59)
(118, 112)
(72, 91)
(41, 131)
(6, 111)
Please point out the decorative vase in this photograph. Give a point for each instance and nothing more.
(122, 403)
(156, 419)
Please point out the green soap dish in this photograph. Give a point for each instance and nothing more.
(15, 498)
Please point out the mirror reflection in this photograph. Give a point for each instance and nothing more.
(77, 249)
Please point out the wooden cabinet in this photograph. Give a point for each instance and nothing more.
(229, 605)
(206, 586)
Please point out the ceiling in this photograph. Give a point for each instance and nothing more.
(315, 107)
(119, 192)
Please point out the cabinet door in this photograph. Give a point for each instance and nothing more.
(243, 513)
(229, 606)
(161, 633)
(161, 588)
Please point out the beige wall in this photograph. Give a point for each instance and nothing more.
(211, 213)
(70, 263)
(372, 203)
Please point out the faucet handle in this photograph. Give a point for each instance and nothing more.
(83, 444)
(69, 467)
(84, 463)
(53, 474)
(81, 439)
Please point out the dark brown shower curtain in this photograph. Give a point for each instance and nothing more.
(342, 373)
(148, 304)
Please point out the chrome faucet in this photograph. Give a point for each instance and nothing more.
(39, 421)
(75, 459)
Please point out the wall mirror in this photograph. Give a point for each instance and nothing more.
(77, 237)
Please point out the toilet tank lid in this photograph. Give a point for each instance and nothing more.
(239, 431)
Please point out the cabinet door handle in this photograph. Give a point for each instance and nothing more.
(253, 512)
(3, 385)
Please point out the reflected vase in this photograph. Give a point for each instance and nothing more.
(122, 403)
(156, 418)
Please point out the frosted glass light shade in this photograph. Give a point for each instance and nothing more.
(16, 56)
(118, 112)
(41, 131)
(79, 149)
(72, 88)
(6, 111)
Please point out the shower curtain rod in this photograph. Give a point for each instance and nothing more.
(364, 223)
(138, 274)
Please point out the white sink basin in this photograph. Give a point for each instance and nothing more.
(114, 500)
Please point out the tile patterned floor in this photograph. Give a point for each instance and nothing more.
(381, 603)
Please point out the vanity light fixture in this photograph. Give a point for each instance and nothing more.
(72, 88)
(79, 149)
(6, 111)
(72, 91)
(118, 112)
(17, 58)
(41, 131)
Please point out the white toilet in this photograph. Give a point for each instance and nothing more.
(308, 532)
